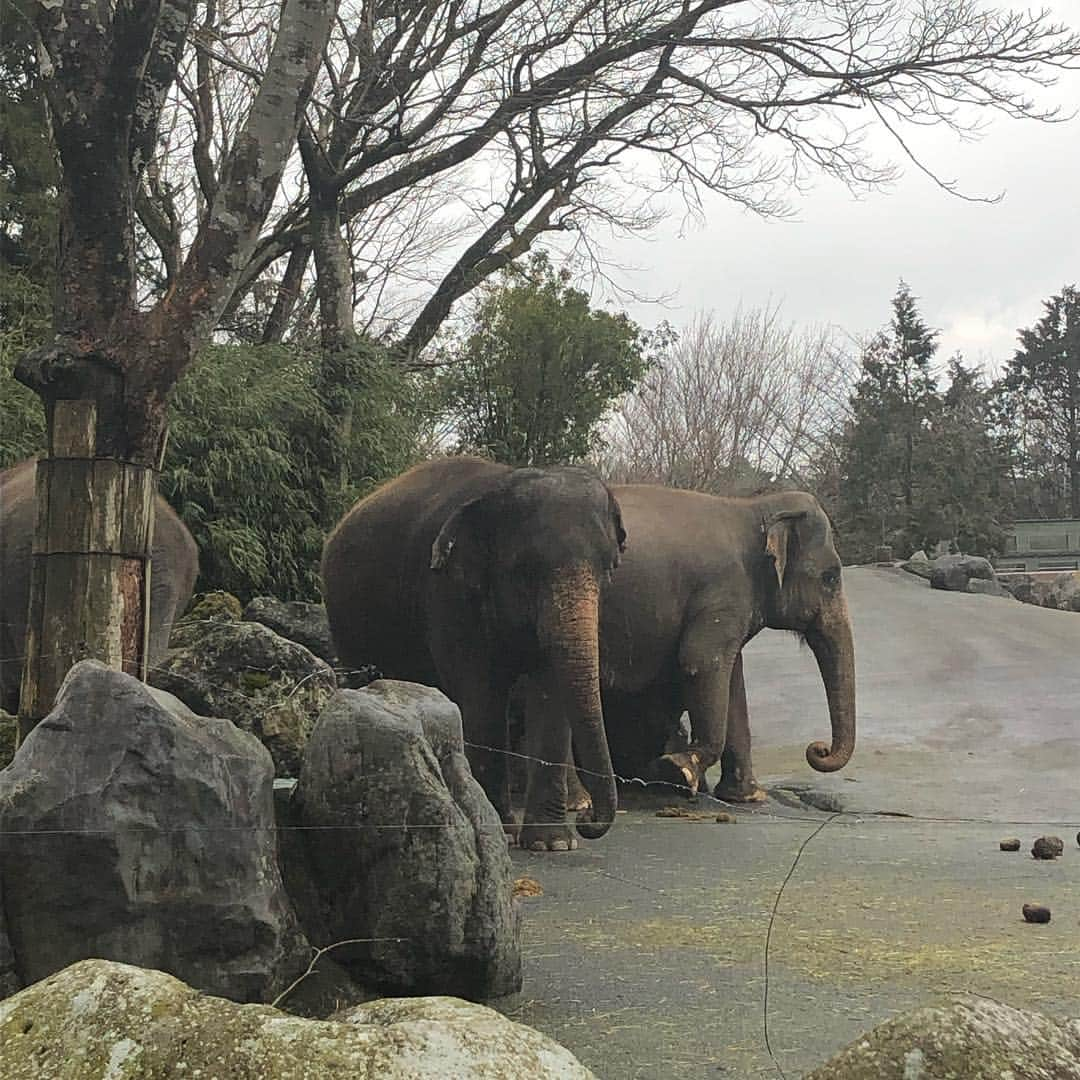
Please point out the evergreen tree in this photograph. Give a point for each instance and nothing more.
(886, 446)
(539, 368)
(1041, 395)
(968, 465)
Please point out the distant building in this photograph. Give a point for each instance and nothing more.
(1043, 544)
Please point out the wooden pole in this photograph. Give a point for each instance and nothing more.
(89, 593)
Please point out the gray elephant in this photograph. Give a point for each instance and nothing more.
(174, 569)
(704, 575)
(468, 575)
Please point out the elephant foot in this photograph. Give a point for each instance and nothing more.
(547, 838)
(740, 792)
(577, 798)
(684, 770)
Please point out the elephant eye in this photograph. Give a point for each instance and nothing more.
(831, 578)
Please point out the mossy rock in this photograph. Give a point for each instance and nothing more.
(212, 607)
(9, 734)
(976, 1039)
(97, 1019)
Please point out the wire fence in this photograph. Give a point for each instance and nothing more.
(758, 813)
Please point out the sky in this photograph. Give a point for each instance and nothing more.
(980, 271)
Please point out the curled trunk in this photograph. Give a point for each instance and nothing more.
(834, 649)
(572, 641)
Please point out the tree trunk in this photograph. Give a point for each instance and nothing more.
(90, 572)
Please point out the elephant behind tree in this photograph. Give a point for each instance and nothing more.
(175, 566)
(468, 575)
(704, 576)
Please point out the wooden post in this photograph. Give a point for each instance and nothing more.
(89, 597)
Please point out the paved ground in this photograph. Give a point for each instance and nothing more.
(646, 953)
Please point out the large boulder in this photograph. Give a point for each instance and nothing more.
(953, 572)
(989, 588)
(975, 1039)
(295, 620)
(403, 849)
(104, 1021)
(133, 830)
(246, 673)
(1060, 591)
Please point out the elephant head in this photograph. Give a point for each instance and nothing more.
(805, 593)
(535, 552)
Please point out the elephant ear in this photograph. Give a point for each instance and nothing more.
(778, 530)
(454, 549)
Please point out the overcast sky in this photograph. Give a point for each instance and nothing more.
(980, 271)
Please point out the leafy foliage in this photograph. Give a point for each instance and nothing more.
(916, 466)
(1040, 393)
(253, 461)
(538, 369)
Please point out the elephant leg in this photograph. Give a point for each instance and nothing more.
(706, 695)
(737, 783)
(483, 716)
(545, 827)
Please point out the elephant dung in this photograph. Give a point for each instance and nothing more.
(1047, 847)
(403, 849)
(1011, 844)
(1036, 913)
(132, 829)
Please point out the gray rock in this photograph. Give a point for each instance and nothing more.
(403, 847)
(977, 1039)
(1060, 591)
(988, 588)
(244, 672)
(920, 567)
(136, 831)
(104, 1021)
(953, 572)
(295, 620)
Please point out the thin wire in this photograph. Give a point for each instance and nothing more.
(768, 941)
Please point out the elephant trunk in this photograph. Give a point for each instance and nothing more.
(831, 641)
(572, 640)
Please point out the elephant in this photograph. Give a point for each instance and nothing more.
(469, 575)
(704, 576)
(175, 566)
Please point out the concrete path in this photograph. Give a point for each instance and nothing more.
(646, 953)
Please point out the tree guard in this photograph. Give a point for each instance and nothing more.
(90, 575)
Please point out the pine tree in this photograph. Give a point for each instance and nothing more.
(1041, 390)
(886, 445)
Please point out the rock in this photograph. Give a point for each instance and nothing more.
(1012, 844)
(1047, 847)
(1060, 591)
(104, 1021)
(244, 672)
(9, 735)
(295, 620)
(953, 572)
(976, 1039)
(211, 607)
(988, 588)
(133, 830)
(920, 567)
(1036, 913)
(403, 847)
(10, 982)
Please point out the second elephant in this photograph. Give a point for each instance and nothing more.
(705, 574)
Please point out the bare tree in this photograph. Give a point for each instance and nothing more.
(731, 403)
(106, 377)
(539, 117)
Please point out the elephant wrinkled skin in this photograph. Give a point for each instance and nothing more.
(704, 575)
(468, 575)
